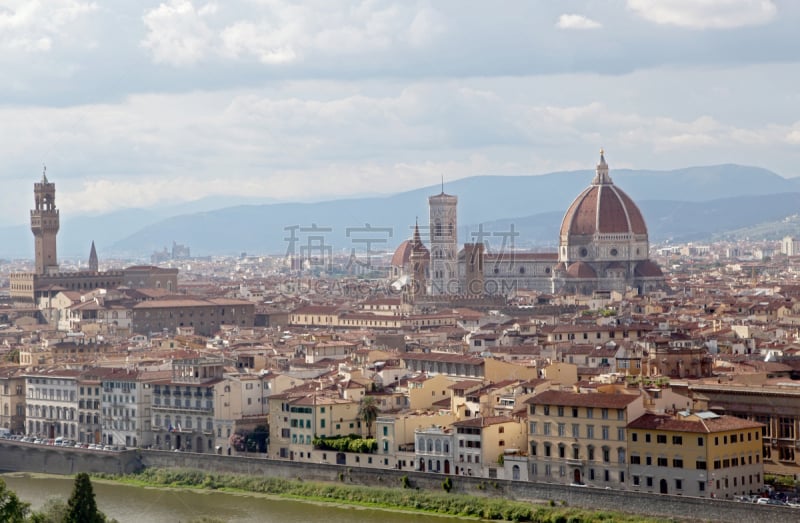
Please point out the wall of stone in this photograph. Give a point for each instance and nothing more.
(27, 457)
(585, 497)
(22, 457)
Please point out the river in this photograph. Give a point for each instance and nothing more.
(131, 504)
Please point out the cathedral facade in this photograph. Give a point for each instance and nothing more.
(603, 246)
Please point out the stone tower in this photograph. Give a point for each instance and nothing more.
(45, 225)
(94, 264)
(420, 262)
(444, 245)
(473, 284)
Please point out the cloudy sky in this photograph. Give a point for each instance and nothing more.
(135, 104)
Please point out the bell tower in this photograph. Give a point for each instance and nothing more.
(45, 225)
(444, 246)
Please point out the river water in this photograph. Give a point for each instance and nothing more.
(130, 504)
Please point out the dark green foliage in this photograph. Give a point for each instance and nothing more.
(81, 504)
(351, 443)
(368, 413)
(447, 484)
(54, 510)
(12, 509)
(404, 481)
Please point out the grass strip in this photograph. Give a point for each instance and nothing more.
(403, 497)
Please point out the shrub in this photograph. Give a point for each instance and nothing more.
(447, 484)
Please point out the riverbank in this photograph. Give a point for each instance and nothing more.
(403, 497)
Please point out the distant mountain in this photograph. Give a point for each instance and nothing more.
(684, 203)
(674, 220)
(673, 203)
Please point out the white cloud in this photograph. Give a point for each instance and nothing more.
(567, 21)
(284, 31)
(705, 14)
(34, 25)
(178, 33)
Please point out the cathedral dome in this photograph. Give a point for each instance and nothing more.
(402, 255)
(602, 208)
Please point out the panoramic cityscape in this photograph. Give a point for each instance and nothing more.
(314, 244)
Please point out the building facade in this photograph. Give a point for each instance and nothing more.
(695, 454)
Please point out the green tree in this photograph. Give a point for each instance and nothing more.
(53, 511)
(82, 505)
(368, 413)
(12, 509)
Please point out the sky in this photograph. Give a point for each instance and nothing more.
(152, 103)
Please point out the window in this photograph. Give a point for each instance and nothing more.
(589, 412)
(576, 430)
(605, 431)
(546, 429)
(700, 441)
(662, 462)
(650, 481)
(679, 484)
(574, 412)
(620, 415)
(620, 434)
(648, 460)
(677, 463)
(547, 410)
(700, 464)
(590, 431)
(606, 455)
(604, 413)
(635, 480)
(636, 460)
(677, 440)
(647, 438)
(634, 436)
(661, 438)
(561, 430)
(560, 411)
(532, 427)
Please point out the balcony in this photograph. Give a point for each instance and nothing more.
(171, 408)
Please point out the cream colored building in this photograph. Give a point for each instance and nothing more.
(580, 437)
(479, 443)
(12, 399)
(695, 454)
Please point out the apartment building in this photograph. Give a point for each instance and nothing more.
(695, 454)
(580, 438)
(52, 403)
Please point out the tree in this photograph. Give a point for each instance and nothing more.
(12, 509)
(82, 505)
(368, 413)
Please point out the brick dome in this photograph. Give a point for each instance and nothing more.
(602, 208)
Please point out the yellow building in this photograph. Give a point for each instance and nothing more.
(479, 443)
(580, 437)
(296, 419)
(424, 391)
(701, 454)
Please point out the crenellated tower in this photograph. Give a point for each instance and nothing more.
(45, 223)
